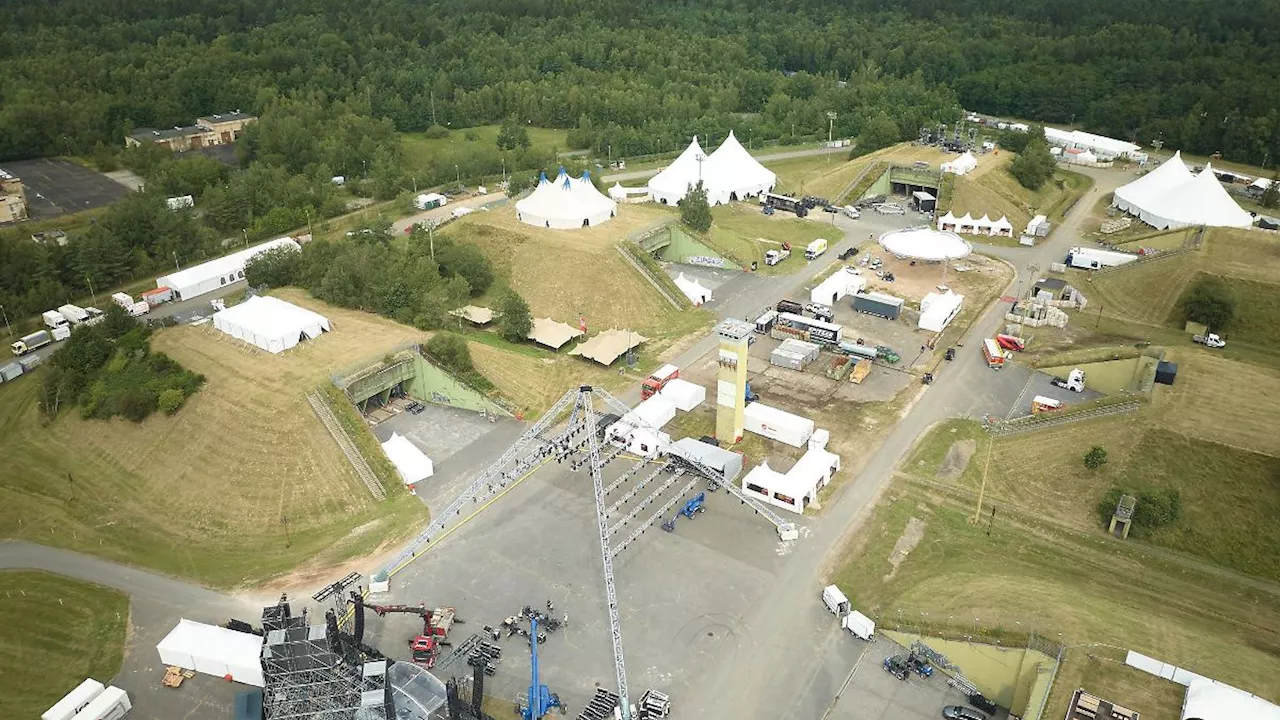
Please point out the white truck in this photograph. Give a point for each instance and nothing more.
(773, 257)
(1074, 381)
(1209, 340)
(73, 314)
(122, 299)
(852, 620)
(35, 340)
(816, 248)
(1094, 259)
(53, 319)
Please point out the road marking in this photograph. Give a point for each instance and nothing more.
(847, 680)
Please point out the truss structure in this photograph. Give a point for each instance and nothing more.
(568, 432)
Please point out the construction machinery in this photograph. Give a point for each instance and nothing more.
(540, 699)
(424, 648)
(696, 504)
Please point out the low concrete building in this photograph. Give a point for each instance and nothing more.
(222, 129)
(13, 199)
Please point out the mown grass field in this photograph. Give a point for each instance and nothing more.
(1196, 437)
(243, 485)
(1014, 575)
(743, 233)
(54, 633)
(419, 148)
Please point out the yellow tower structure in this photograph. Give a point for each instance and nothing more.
(731, 380)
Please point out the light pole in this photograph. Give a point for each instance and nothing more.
(245, 232)
(831, 126)
(92, 294)
(6, 320)
(175, 261)
(458, 176)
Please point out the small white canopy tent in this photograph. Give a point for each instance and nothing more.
(962, 165)
(270, 323)
(937, 310)
(1002, 227)
(797, 488)
(566, 203)
(213, 650)
(982, 226)
(928, 244)
(413, 465)
(697, 293)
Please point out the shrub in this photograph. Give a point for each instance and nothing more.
(516, 321)
(436, 132)
(1154, 509)
(450, 351)
(170, 401)
(1096, 457)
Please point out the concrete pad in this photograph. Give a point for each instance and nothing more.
(1039, 383)
(55, 187)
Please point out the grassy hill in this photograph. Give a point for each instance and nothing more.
(990, 189)
(76, 629)
(242, 485)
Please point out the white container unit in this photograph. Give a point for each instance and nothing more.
(74, 701)
(112, 704)
(777, 424)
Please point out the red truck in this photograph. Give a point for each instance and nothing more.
(658, 380)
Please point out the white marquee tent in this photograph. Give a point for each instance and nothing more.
(837, 287)
(1171, 197)
(796, 488)
(413, 465)
(697, 293)
(923, 243)
(209, 276)
(937, 310)
(566, 203)
(214, 651)
(962, 165)
(1211, 700)
(270, 323)
(728, 174)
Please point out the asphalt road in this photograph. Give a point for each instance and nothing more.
(764, 158)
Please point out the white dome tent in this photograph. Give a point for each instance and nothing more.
(728, 174)
(567, 203)
(1171, 197)
(926, 244)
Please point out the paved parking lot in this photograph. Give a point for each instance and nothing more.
(1038, 383)
(873, 694)
(57, 187)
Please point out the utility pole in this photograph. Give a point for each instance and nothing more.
(831, 126)
(6, 320)
(175, 261)
(92, 294)
(458, 176)
(433, 108)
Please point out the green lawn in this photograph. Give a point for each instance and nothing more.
(741, 232)
(419, 148)
(55, 632)
(1012, 575)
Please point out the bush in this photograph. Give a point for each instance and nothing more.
(516, 320)
(436, 132)
(467, 262)
(1154, 509)
(170, 401)
(277, 267)
(694, 210)
(1210, 301)
(1034, 165)
(449, 351)
(1096, 457)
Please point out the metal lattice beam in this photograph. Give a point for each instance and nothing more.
(642, 505)
(606, 559)
(637, 488)
(654, 518)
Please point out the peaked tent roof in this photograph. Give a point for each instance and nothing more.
(1203, 201)
(565, 203)
(1149, 188)
(605, 347)
(553, 334)
(732, 166)
(682, 173)
(727, 173)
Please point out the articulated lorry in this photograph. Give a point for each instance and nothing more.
(31, 342)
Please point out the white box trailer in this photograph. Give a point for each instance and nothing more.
(73, 314)
(53, 319)
(74, 701)
(777, 424)
(835, 601)
(858, 624)
(1093, 258)
(122, 299)
(112, 704)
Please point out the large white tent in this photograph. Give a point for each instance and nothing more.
(214, 651)
(697, 293)
(413, 465)
(924, 243)
(1171, 197)
(270, 323)
(961, 165)
(728, 174)
(209, 276)
(566, 203)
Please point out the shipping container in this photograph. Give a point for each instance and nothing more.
(765, 322)
(112, 704)
(886, 306)
(74, 701)
(777, 425)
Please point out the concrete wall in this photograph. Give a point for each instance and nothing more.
(431, 384)
(880, 187)
(1111, 376)
(685, 249)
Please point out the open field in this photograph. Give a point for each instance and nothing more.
(419, 148)
(744, 234)
(1012, 575)
(991, 190)
(1149, 293)
(1221, 455)
(55, 632)
(242, 485)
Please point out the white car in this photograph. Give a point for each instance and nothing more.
(852, 212)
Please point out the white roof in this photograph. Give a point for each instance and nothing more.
(838, 285)
(412, 464)
(961, 165)
(608, 345)
(1261, 183)
(937, 309)
(77, 698)
(653, 413)
(213, 650)
(694, 290)
(566, 203)
(948, 219)
(728, 171)
(1149, 188)
(1202, 201)
(928, 244)
(1211, 700)
(684, 394)
(1081, 139)
(270, 323)
(219, 267)
(1003, 222)
(801, 479)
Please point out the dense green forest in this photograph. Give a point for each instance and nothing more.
(641, 76)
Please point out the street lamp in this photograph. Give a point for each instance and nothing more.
(175, 261)
(92, 294)
(458, 175)
(831, 126)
